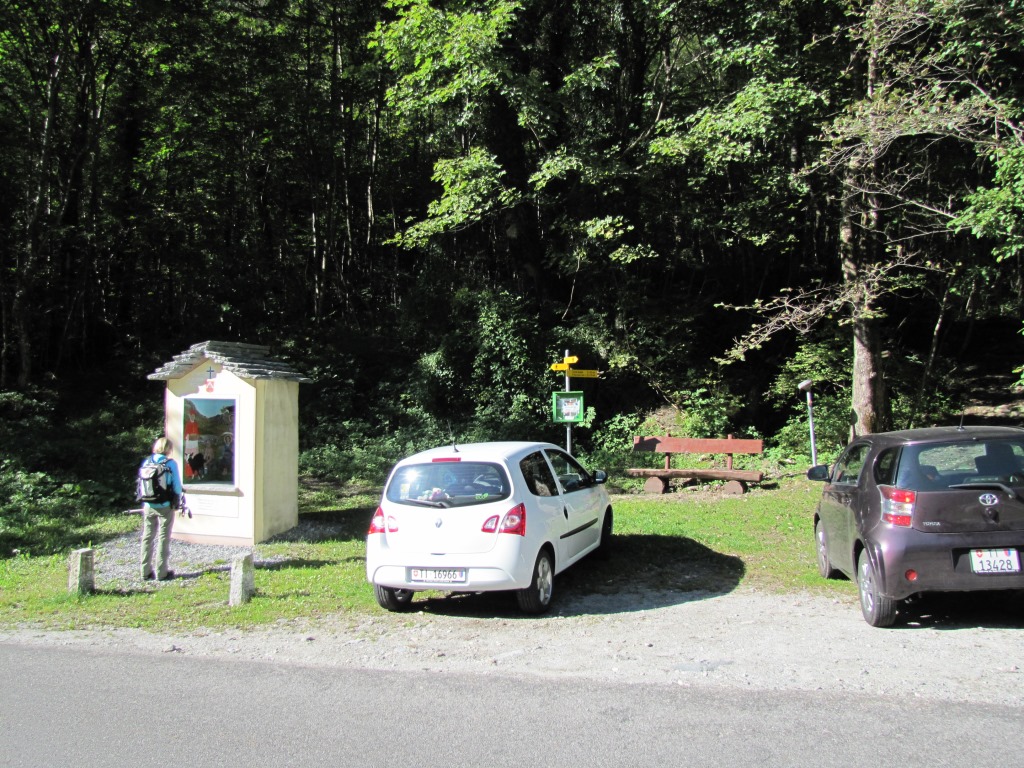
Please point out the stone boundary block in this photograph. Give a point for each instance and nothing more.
(243, 580)
(81, 572)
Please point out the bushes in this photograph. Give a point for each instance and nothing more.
(359, 460)
(610, 446)
(64, 474)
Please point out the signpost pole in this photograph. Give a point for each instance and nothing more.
(568, 425)
(567, 406)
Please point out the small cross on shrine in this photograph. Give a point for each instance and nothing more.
(210, 373)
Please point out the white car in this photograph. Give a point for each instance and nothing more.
(485, 517)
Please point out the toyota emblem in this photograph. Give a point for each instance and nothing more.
(988, 499)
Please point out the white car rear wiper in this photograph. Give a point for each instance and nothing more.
(426, 503)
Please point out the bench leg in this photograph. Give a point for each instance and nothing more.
(735, 487)
(656, 485)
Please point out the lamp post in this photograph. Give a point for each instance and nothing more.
(806, 386)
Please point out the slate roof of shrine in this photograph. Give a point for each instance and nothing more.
(250, 361)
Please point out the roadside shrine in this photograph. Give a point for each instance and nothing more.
(232, 414)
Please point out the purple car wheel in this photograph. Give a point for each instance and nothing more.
(824, 563)
(878, 611)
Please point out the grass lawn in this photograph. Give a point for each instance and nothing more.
(687, 541)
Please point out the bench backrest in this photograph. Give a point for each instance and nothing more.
(665, 444)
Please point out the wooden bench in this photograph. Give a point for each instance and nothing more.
(658, 479)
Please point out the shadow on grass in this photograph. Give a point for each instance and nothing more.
(641, 572)
(140, 586)
(41, 535)
(329, 525)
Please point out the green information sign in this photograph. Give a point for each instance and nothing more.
(567, 407)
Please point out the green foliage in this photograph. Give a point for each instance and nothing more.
(708, 410)
(507, 392)
(482, 381)
(741, 130)
(472, 190)
(997, 211)
(556, 166)
(610, 446)
(602, 174)
(65, 474)
(749, 128)
(821, 359)
(347, 463)
(445, 57)
(1020, 370)
(919, 402)
(23, 418)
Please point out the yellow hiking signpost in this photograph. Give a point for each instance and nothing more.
(567, 407)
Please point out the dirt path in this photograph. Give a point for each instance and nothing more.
(951, 649)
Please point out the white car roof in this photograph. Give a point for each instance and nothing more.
(497, 451)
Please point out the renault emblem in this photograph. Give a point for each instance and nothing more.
(437, 523)
(988, 499)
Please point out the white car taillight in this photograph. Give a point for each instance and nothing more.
(513, 522)
(897, 505)
(377, 523)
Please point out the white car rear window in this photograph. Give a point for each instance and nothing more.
(449, 484)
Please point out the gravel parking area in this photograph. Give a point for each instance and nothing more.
(117, 560)
(957, 648)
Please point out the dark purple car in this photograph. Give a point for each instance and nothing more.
(923, 510)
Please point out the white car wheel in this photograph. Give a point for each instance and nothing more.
(604, 547)
(537, 597)
(393, 599)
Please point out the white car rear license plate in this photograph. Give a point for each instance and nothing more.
(995, 561)
(438, 575)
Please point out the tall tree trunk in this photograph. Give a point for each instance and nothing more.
(869, 398)
(869, 409)
(860, 249)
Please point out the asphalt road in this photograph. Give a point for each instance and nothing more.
(79, 707)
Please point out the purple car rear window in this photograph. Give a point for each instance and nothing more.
(937, 466)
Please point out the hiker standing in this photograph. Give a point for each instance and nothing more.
(159, 489)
